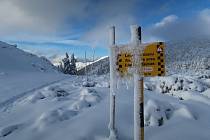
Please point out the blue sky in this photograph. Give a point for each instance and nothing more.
(53, 27)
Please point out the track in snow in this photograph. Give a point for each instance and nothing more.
(52, 103)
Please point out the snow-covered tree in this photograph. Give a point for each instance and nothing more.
(66, 65)
(73, 69)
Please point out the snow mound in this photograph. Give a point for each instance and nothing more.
(184, 112)
(156, 112)
(159, 112)
(88, 98)
(175, 83)
(36, 97)
(50, 93)
(88, 84)
(54, 116)
(56, 92)
(206, 93)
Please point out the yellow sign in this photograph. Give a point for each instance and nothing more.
(124, 60)
(153, 60)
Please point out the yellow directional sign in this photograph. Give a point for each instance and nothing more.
(124, 60)
(153, 60)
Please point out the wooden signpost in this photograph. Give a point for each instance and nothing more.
(137, 60)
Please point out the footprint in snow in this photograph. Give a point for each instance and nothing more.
(35, 97)
(9, 129)
(54, 116)
(54, 93)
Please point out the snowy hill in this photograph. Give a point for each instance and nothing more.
(81, 65)
(21, 71)
(188, 55)
(59, 106)
(181, 57)
(13, 59)
(98, 67)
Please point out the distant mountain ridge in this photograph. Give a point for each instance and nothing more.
(98, 67)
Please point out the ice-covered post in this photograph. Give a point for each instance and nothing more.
(138, 84)
(113, 83)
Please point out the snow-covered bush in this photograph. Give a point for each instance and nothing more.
(54, 116)
(156, 112)
(88, 98)
(175, 83)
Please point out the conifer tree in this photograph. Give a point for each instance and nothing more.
(66, 65)
(73, 65)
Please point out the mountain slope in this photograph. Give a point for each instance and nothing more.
(181, 57)
(188, 55)
(21, 72)
(98, 67)
(13, 59)
(175, 106)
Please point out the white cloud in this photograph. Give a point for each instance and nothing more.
(48, 19)
(38, 19)
(166, 20)
(54, 20)
(98, 36)
(56, 59)
(205, 15)
(16, 22)
(118, 13)
(174, 28)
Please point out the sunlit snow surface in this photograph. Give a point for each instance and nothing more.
(38, 103)
(67, 110)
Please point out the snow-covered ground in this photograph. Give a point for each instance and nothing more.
(39, 103)
(67, 110)
(22, 72)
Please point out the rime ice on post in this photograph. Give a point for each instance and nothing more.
(138, 83)
(113, 84)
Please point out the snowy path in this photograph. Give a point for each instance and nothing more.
(13, 84)
(42, 107)
(6, 104)
(67, 110)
